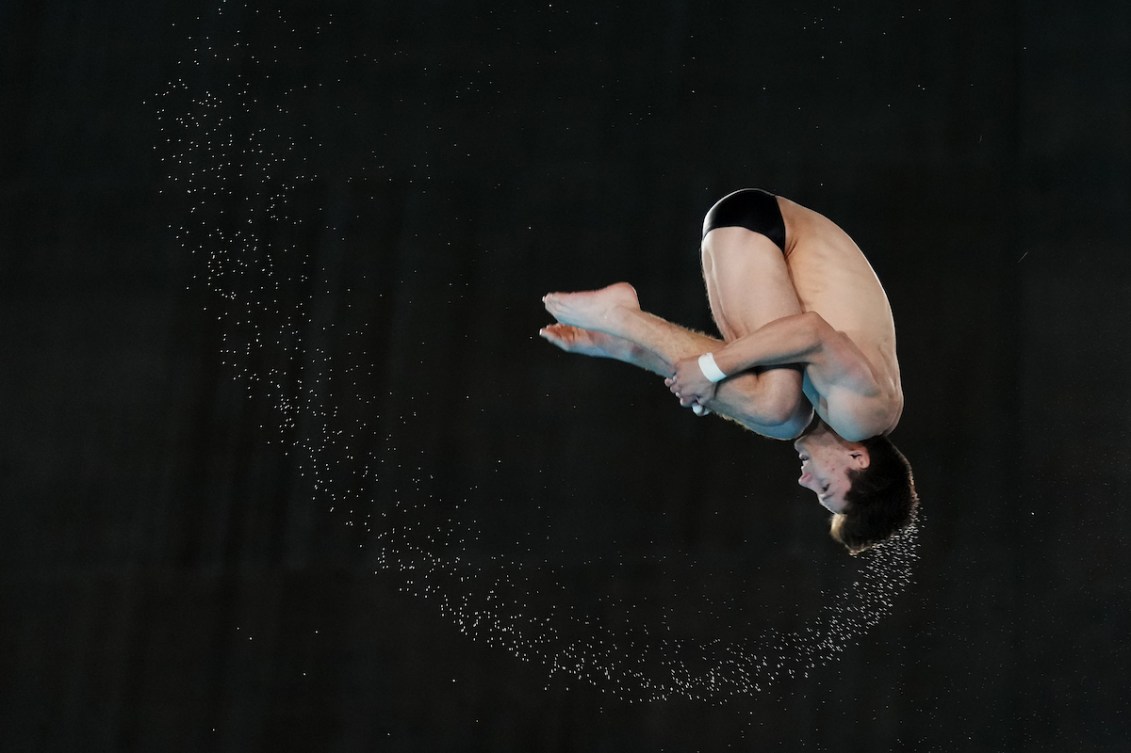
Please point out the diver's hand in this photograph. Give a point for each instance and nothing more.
(689, 384)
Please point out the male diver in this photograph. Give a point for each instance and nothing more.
(808, 353)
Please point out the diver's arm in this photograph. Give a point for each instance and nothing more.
(800, 338)
(829, 356)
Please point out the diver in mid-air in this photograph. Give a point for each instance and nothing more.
(808, 353)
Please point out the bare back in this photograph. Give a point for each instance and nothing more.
(833, 278)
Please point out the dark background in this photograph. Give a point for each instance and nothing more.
(190, 562)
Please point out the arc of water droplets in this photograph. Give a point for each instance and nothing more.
(624, 664)
(239, 181)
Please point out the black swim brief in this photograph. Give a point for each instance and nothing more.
(751, 208)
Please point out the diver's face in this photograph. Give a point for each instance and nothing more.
(826, 481)
(826, 460)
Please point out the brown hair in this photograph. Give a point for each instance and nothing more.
(881, 500)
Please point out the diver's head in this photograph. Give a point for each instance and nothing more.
(867, 485)
(826, 461)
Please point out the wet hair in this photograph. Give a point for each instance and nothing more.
(881, 500)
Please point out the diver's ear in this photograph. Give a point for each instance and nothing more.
(859, 458)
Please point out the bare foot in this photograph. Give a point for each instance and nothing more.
(584, 342)
(596, 310)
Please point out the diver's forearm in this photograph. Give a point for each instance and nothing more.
(789, 340)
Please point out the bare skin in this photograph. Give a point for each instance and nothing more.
(845, 337)
(610, 323)
(808, 330)
(826, 460)
(600, 345)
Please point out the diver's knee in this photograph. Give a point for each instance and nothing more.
(773, 398)
(780, 403)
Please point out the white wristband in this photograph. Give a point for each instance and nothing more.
(711, 369)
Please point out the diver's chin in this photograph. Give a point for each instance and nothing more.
(812, 427)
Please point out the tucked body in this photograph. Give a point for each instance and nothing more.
(806, 329)
(844, 334)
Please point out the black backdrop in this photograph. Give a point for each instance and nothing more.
(172, 579)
